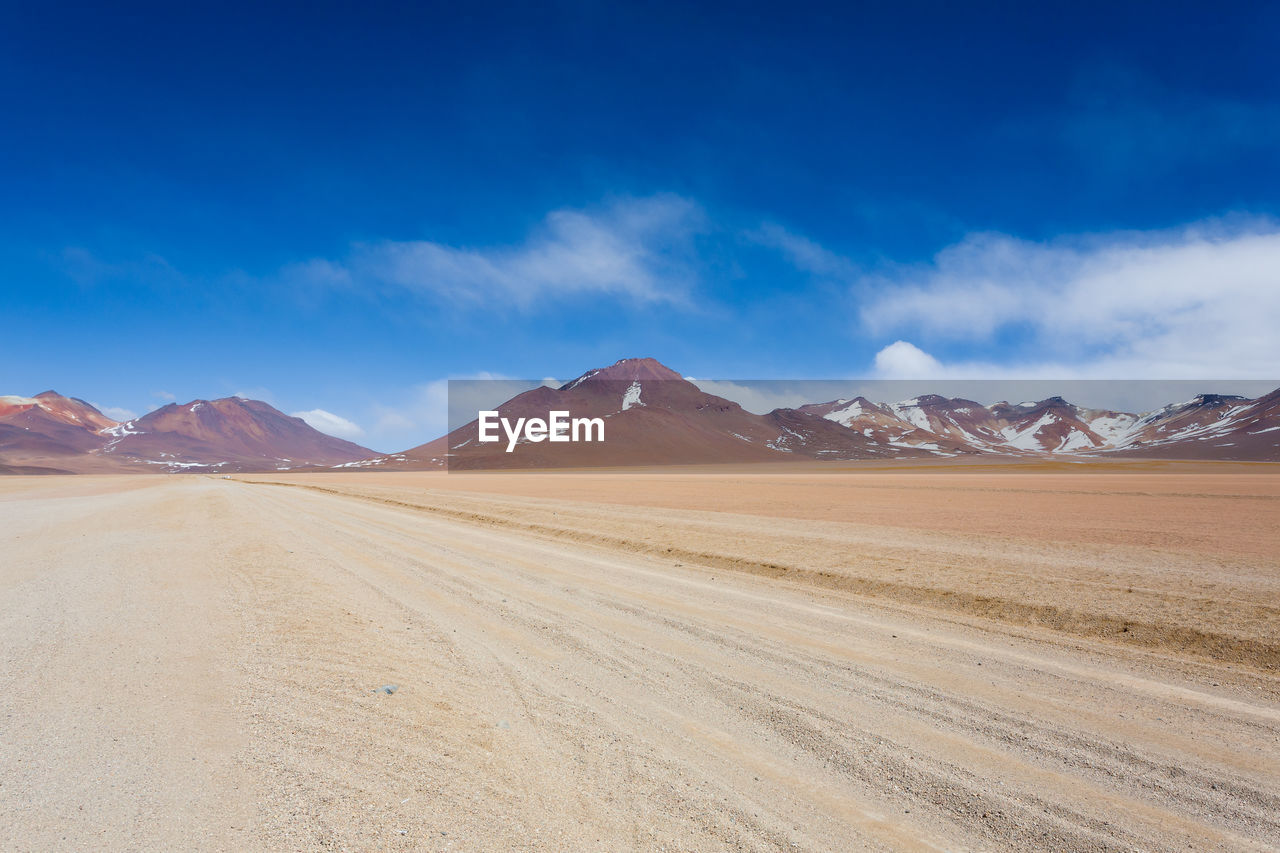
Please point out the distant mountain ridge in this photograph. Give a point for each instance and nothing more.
(1206, 426)
(652, 416)
(57, 434)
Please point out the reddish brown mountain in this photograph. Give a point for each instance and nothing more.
(69, 410)
(50, 433)
(926, 423)
(652, 416)
(1209, 426)
(960, 425)
(231, 434)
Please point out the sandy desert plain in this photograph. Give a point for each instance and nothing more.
(830, 657)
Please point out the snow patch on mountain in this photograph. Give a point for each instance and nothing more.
(120, 430)
(1025, 438)
(910, 411)
(632, 397)
(1113, 428)
(848, 414)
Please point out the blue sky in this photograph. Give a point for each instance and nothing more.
(334, 209)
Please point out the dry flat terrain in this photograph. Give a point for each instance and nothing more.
(1021, 658)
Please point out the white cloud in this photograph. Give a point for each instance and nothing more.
(420, 414)
(1121, 121)
(89, 270)
(804, 253)
(116, 413)
(260, 393)
(641, 249)
(319, 272)
(164, 395)
(758, 397)
(904, 360)
(428, 411)
(331, 424)
(1195, 302)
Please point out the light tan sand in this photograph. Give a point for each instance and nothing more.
(1182, 557)
(190, 662)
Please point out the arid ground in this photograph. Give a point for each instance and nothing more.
(1057, 657)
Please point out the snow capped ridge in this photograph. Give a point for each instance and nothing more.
(655, 416)
(1055, 425)
(1215, 399)
(628, 370)
(850, 410)
(677, 420)
(583, 378)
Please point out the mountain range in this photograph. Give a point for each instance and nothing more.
(655, 416)
(50, 433)
(652, 416)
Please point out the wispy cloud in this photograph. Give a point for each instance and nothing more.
(116, 413)
(1119, 119)
(257, 392)
(1194, 302)
(423, 412)
(431, 409)
(641, 249)
(758, 397)
(803, 253)
(417, 416)
(88, 270)
(331, 424)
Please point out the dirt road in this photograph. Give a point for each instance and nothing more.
(194, 663)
